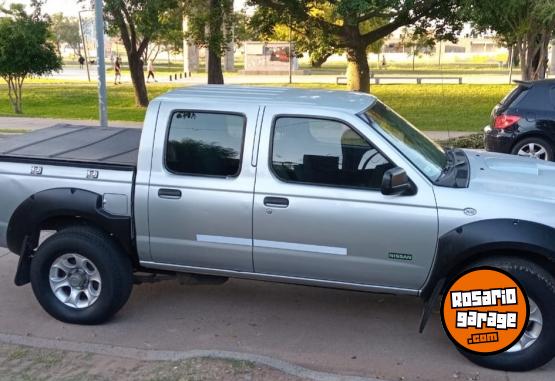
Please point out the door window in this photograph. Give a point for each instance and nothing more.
(326, 152)
(203, 143)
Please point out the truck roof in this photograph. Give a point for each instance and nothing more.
(351, 102)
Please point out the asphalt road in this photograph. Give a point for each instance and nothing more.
(344, 332)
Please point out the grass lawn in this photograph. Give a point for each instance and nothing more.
(429, 107)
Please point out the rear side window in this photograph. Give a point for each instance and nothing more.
(327, 152)
(514, 97)
(203, 143)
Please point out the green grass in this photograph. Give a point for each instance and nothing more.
(437, 107)
(429, 107)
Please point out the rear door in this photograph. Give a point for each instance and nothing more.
(201, 187)
(319, 212)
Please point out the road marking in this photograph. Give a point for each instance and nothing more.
(158, 355)
(319, 249)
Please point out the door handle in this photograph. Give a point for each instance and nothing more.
(276, 202)
(173, 194)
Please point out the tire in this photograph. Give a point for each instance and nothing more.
(525, 147)
(539, 286)
(102, 276)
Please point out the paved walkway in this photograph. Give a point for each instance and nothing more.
(7, 123)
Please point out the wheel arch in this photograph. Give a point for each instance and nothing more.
(54, 208)
(534, 134)
(475, 241)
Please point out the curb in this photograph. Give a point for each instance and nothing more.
(159, 355)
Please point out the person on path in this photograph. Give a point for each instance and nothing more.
(81, 61)
(117, 69)
(150, 68)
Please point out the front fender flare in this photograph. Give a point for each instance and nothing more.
(460, 245)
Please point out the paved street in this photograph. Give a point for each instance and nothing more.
(73, 73)
(325, 330)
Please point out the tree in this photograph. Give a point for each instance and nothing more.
(169, 35)
(66, 30)
(266, 22)
(25, 50)
(525, 25)
(417, 44)
(137, 23)
(346, 30)
(211, 26)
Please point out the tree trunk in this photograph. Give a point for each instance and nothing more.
(358, 71)
(215, 74)
(138, 78)
(15, 87)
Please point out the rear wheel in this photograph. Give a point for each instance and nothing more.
(536, 347)
(79, 275)
(534, 147)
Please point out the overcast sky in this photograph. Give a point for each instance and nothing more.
(70, 7)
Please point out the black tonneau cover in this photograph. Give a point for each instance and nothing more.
(65, 142)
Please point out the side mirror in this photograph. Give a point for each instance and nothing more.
(396, 182)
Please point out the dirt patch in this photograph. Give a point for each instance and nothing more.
(19, 363)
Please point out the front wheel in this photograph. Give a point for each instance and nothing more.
(536, 347)
(80, 276)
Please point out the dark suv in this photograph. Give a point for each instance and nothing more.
(523, 123)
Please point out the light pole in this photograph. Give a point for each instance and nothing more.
(101, 64)
(84, 44)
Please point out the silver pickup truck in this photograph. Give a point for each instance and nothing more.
(311, 187)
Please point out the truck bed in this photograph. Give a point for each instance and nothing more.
(112, 146)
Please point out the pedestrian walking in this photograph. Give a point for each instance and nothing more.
(117, 69)
(150, 68)
(81, 61)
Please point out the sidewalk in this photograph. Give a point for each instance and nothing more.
(16, 123)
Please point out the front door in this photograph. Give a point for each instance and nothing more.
(201, 189)
(319, 212)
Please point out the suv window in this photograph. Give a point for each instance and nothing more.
(203, 143)
(327, 152)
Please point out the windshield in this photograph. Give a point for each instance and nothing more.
(426, 155)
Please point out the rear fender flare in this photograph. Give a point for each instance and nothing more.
(78, 204)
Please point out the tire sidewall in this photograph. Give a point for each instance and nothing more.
(65, 243)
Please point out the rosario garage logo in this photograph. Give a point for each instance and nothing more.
(485, 311)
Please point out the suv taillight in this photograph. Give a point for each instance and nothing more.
(504, 121)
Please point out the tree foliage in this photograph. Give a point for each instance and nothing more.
(417, 44)
(351, 24)
(137, 23)
(25, 50)
(526, 25)
(65, 30)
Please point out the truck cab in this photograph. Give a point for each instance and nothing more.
(280, 183)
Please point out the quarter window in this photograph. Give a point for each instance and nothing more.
(327, 152)
(203, 143)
